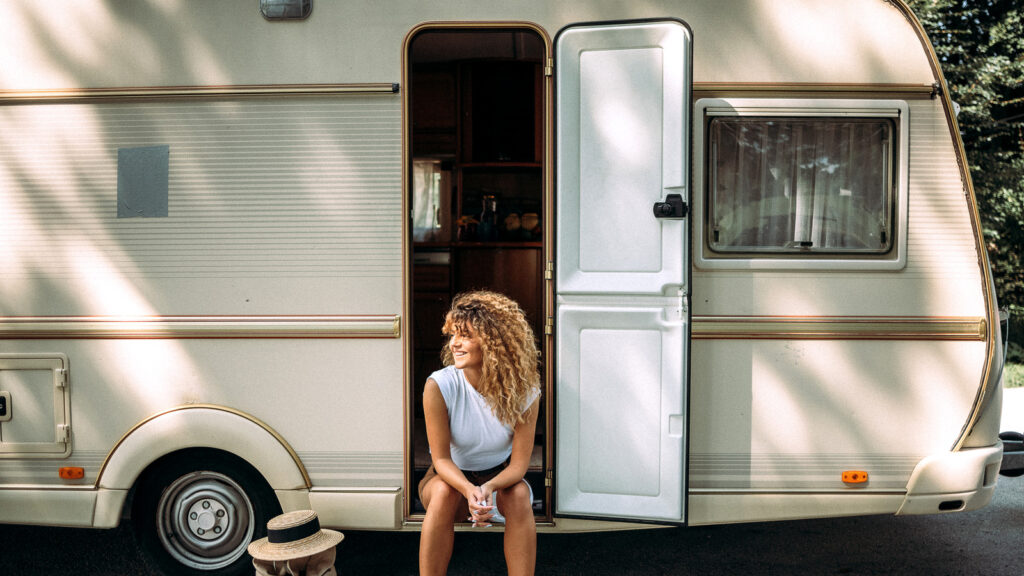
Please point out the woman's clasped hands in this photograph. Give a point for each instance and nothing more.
(481, 506)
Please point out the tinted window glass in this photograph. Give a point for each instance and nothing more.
(800, 185)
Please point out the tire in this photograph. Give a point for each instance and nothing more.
(196, 513)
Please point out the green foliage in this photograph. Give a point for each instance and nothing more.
(1013, 376)
(980, 44)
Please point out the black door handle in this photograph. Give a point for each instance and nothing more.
(672, 207)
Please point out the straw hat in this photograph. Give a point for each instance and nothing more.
(294, 535)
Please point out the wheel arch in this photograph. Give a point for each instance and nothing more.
(203, 426)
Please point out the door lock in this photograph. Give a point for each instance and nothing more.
(672, 207)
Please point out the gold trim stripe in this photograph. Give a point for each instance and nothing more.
(175, 327)
(790, 90)
(837, 328)
(162, 92)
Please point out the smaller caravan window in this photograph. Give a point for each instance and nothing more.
(801, 184)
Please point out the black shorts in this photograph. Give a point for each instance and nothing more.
(476, 477)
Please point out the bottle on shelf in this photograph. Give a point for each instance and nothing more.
(487, 230)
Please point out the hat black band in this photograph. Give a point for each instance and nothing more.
(294, 533)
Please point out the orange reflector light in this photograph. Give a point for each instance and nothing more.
(855, 476)
(71, 473)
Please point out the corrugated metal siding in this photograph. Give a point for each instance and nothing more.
(816, 471)
(940, 239)
(353, 469)
(306, 187)
(43, 472)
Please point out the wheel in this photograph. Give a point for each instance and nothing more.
(197, 514)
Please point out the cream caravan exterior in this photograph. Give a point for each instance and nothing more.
(744, 231)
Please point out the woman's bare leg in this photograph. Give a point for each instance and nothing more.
(520, 529)
(438, 532)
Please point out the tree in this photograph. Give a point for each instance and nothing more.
(980, 45)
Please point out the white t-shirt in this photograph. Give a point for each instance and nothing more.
(479, 440)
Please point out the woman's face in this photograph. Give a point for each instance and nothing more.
(466, 350)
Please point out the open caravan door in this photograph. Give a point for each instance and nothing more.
(622, 261)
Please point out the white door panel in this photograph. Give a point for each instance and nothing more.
(622, 328)
(625, 91)
(621, 404)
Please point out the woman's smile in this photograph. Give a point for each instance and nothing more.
(466, 350)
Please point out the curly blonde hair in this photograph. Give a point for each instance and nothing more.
(510, 369)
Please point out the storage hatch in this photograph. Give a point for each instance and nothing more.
(35, 409)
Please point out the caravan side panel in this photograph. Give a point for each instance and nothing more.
(271, 286)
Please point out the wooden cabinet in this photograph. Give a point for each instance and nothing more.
(500, 112)
(431, 298)
(516, 270)
(478, 112)
(434, 111)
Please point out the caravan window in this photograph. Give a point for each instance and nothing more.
(801, 184)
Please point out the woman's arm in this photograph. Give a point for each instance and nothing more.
(439, 437)
(522, 449)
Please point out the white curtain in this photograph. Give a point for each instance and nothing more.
(816, 184)
(430, 201)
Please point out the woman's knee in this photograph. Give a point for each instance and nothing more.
(515, 499)
(440, 494)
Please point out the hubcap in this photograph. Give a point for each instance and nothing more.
(205, 520)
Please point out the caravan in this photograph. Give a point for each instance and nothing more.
(744, 233)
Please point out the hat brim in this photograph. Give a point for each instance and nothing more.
(263, 549)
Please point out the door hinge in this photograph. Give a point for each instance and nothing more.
(61, 377)
(549, 271)
(63, 433)
(548, 477)
(549, 69)
(549, 326)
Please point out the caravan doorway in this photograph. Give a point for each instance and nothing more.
(477, 192)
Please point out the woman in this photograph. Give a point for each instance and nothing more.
(481, 414)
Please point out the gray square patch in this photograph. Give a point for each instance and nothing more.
(142, 181)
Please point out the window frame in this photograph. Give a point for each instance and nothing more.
(707, 109)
